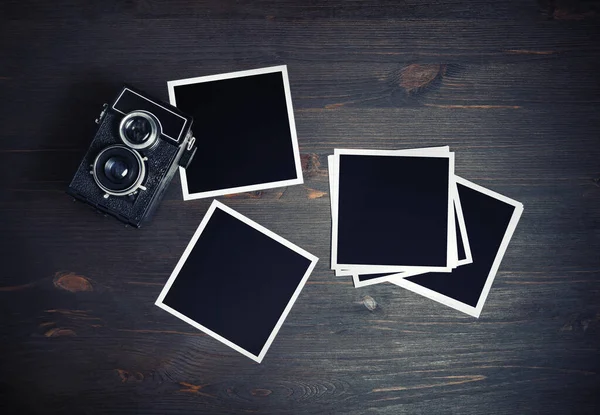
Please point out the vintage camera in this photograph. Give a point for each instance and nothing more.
(139, 145)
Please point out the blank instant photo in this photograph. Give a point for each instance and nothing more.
(395, 211)
(245, 131)
(366, 271)
(236, 281)
(491, 219)
(463, 253)
(333, 174)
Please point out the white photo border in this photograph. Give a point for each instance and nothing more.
(292, 123)
(218, 205)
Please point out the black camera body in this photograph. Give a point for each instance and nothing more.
(139, 145)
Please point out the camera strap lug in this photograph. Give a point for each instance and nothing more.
(99, 119)
(191, 143)
(188, 154)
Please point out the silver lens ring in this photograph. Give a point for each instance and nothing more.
(153, 123)
(136, 184)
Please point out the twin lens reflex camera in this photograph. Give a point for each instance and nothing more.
(139, 145)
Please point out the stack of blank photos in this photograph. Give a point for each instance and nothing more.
(404, 217)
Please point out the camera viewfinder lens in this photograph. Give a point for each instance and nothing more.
(138, 130)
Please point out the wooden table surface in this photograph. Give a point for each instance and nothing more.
(513, 87)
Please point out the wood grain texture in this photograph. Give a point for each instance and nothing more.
(512, 87)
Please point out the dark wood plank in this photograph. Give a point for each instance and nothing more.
(511, 86)
(287, 9)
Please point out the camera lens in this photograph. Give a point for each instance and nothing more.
(139, 129)
(119, 170)
(116, 169)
